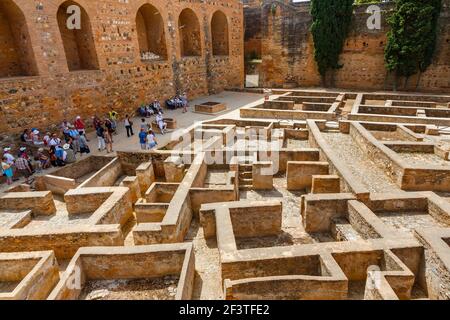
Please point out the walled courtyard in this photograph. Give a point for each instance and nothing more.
(291, 198)
(285, 191)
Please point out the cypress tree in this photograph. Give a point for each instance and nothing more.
(331, 23)
(412, 37)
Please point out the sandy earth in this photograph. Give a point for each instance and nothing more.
(361, 166)
(164, 288)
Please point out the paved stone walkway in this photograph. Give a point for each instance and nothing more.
(233, 100)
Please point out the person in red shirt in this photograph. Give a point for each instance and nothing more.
(80, 126)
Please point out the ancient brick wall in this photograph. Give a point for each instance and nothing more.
(288, 50)
(252, 34)
(107, 66)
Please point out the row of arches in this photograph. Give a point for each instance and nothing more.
(78, 43)
(151, 34)
(16, 51)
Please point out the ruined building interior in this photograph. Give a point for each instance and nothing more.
(339, 194)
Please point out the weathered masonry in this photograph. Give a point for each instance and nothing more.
(280, 49)
(331, 195)
(126, 52)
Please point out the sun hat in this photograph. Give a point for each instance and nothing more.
(66, 146)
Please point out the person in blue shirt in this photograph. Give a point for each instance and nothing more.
(60, 156)
(7, 170)
(74, 139)
(143, 139)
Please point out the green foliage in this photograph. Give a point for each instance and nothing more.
(273, 8)
(412, 36)
(331, 23)
(358, 2)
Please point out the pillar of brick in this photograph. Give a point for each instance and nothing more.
(174, 169)
(325, 184)
(145, 175)
(432, 130)
(299, 173)
(133, 184)
(262, 175)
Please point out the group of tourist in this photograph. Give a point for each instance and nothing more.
(105, 129)
(147, 110)
(61, 148)
(179, 101)
(147, 139)
(54, 149)
(20, 166)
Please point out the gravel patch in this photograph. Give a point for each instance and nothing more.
(60, 219)
(292, 228)
(297, 144)
(359, 164)
(164, 288)
(215, 178)
(9, 218)
(427, 159)
(408, 221)
(389, 136)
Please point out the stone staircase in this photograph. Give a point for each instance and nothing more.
(245, 176)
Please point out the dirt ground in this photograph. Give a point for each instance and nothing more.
(131, 289)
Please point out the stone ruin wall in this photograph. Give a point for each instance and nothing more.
(287, 50)
(38, 90)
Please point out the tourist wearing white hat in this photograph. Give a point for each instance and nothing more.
(80, 126)
(9, 157)
(23, 166)
(7, 170)
(36, 138)
(68, 154)
(161, 123)
(24, 154)
(54, 141)
(47, 138)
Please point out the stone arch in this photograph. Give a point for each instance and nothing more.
(219, 34)
(16, 51)
(151, 34)
(189, 30)
(78, 44)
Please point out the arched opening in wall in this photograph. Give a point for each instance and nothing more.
(151, 35)
(78, 40)
(189, 29)
(219, 34)
(16, 51)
